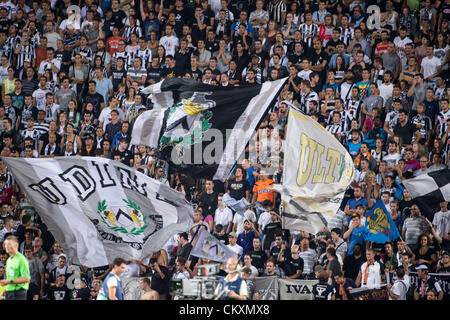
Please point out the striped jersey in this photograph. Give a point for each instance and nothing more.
(145, 55)
(26, 52)
(353, 108)
(130, 30)
(423, 124)
(306, 30)
(85, 53)
(275, 10)
(442, 122)
(347, 35)
(125, 55)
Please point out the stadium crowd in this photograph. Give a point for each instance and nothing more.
(378, 82)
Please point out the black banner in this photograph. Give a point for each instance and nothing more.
(370, 294)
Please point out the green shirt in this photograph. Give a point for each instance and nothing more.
(17, 267)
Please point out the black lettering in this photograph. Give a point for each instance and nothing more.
(131, 183)
(105, 177)
(49, 191)
(81, 181)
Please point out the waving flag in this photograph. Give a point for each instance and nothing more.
(317, 171)
(379, 225)
(203, 129)
(209, 247)
(235, 205)
(429, 189)
(99, 209)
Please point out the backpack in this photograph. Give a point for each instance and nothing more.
(412, 291)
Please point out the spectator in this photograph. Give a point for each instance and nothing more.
(427, 283)
(223, 215)
(413, 226)
(233, 246)
(309, 256)
(245, 239)
(258, 256)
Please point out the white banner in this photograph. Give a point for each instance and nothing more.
(317, 170)
(99, 209)
(296, 289)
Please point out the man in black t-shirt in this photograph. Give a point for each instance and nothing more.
(171, 71)
(293, 267)
(280, 252)
(59, 291)
(322, 290)
(259, 257)
(184, 246)
(353, 262)
(269, 230)
(154, 72)
(405, 129)
(95, 98)
(80, 291)
(220, 234)
(239, 187)
(118, 73)
(160, 279)
(319, 58)
(125, 154)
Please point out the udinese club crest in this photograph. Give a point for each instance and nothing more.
(128, 220)
(187, 122)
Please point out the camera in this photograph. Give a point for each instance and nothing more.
(202, 286)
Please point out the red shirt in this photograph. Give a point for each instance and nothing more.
(5, 195)
(113, 44)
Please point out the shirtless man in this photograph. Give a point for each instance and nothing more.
(149, 294)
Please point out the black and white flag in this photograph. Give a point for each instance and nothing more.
(429, 189)
(434, 185)
(99, 209)
(203, 128)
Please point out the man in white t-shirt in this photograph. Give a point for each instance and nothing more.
(223, 215)
(398, 290)
(38, 95)
(430, 66)
(400, 42)
(238, 220)
(233, 246)
(169, 41)
(441, 221)
(50, 63)
(370, 272)
(387, 87)
(264, 217)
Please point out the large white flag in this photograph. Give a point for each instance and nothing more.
(317, 170)
(99, 209)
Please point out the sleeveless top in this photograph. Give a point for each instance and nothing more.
(104, 293)
(230, 286)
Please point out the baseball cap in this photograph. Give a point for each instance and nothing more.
(354, 215)
(232, 234)
(62, 255)
(422, 267)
